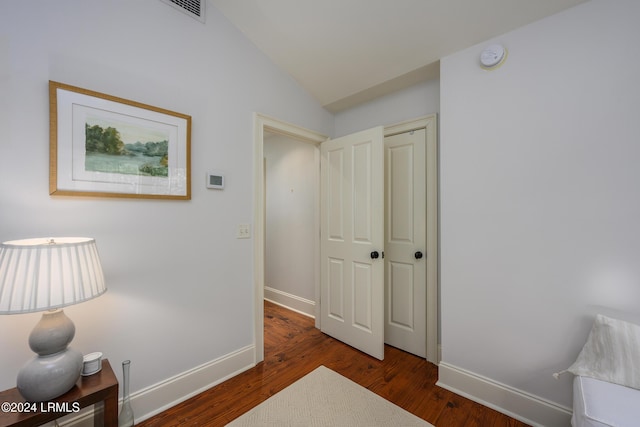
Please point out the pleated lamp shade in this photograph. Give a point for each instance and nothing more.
(45, 274)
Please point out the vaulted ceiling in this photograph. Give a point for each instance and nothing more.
(345, 52)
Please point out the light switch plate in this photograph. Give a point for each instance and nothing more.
(244, 231)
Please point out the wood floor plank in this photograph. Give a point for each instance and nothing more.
(294, 347)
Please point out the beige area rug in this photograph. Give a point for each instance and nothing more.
(326, 398)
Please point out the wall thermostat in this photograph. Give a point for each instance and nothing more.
(215, 180)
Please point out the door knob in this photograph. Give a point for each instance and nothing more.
(418, 255)
(375, 255)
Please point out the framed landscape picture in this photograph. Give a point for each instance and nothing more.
(101, 145)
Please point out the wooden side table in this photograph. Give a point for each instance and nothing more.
(100, 389)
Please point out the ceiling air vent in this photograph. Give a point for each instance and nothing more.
(193, 8)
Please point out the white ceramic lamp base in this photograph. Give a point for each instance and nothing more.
(56, 368)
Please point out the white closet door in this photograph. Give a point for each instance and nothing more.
(352, 240)
(405, 242)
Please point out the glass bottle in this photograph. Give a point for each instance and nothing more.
(125, 419)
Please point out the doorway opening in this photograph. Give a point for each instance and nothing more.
(291, 222)
(264, 125)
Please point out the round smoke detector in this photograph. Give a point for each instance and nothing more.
(493, 56)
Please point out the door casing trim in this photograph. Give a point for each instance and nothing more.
(264, 123)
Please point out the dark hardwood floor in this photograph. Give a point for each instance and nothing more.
(294, 347)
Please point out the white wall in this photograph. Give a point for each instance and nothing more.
(292, 206)
(539, 195)
(180, 283)
(416, 101)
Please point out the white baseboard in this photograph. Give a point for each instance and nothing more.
(165, 394)
(510, 401)
(292, 302)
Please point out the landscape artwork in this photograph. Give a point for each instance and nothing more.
(118, 147)
(105, 146)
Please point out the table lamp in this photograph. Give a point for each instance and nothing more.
(46, 275)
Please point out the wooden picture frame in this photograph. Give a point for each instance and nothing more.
(105, 146)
